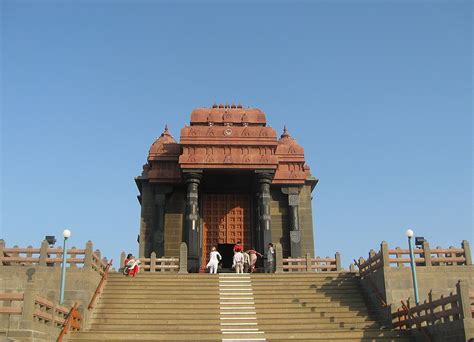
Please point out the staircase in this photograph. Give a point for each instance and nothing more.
(231, 307)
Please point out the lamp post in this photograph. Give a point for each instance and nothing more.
(409, 234)
(66, 235)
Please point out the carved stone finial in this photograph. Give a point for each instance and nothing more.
(285, 132)
(221, 105)
(239, 105)
(214, 105)
(227, 104)
(233, 105)
(166, 131)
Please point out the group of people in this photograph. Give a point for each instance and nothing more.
(242, 261)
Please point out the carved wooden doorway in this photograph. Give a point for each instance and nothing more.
(226, 220)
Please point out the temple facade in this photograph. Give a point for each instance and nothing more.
(228, 179)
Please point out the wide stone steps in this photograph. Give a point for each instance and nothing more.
(322, 335)
(230, 307)
(118, 313)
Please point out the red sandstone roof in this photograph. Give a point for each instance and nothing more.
(220, 114)
(228, 137)
(164, 147)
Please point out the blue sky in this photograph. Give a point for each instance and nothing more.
(377, 92)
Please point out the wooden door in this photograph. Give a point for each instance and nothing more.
(226, 220)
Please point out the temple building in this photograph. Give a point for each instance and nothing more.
(228, 179)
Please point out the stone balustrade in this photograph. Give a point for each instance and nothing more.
(424, 256)
(27, 310)
(306, 264)
(154, 264)
(452, 314)
(52, 256)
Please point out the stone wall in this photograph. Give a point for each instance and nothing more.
(279, 219)
(387, 277)
(174, 221)
(44, 281)
(305, 213)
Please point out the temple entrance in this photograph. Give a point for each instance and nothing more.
(226, 221)
(227, 252)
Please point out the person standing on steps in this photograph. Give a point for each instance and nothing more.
(253, 258)
(246, 262)
(238, 247)
(214, 259)
(238, 262)
(270, 259)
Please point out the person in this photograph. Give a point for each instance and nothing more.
(270, 258)
(246, 262)
(131, 265)
(253, 258)
(238, 247)
(238, 262)
(214, 259)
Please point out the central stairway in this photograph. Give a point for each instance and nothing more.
(231, 307)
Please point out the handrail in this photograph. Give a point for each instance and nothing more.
(99, 288)
(72, 322)
(374, 288)
(406, 308)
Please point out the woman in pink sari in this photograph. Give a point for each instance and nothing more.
(253, 258)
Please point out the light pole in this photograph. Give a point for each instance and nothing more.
(66, 235)
(409, 234)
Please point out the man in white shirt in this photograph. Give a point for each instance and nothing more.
(238, 262)
(214, 259)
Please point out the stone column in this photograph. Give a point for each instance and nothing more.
(193, 179)
(146, 218)
(158, 238)
(159, 231)
(293, 220)
(264, 181)
(257, 233)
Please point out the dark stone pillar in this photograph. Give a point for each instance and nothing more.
(157, 239)
(193, 180)
(159, 234)
(293, 219)
(146, 217)
(257, 236)
(264, 181)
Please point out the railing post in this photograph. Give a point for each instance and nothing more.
(43, 253)
(463, 297)
(371, 254)
(440, 255)
(427, 253)
(122, 259)
(399, 264)
(72, 255)
(308, 262)
(97, 253)
(152, 261)
(28, 306)
(183, 258)
(467, 252)
(278, 258)
(338, 262)
(88, 256)
(361, 261)
(2, 248)
(384, 254)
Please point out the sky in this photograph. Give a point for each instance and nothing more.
(379, 94)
